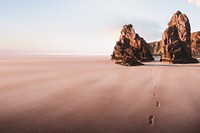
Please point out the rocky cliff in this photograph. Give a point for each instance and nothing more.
(131, 49)
(155, 47)
(176, 43)
(195, 43)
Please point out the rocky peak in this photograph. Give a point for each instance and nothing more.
(177, 18)
(182, 23)
(131, 49)
(176, 44)
(127, 34)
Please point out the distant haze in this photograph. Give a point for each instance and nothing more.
(83, 27)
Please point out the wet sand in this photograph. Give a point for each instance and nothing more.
(66, 94)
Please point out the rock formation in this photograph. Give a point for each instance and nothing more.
(176, 43)
(195, 43)
(131, 49)
(155, 47)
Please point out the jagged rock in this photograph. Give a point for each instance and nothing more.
(195, 43)
(131, 49)
(176, 44)
(155, 47)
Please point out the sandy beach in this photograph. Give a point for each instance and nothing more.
(72, 94)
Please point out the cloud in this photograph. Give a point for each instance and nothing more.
(197, 2)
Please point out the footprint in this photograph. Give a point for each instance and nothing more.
(151, 120)
(157, 104)
(154, 94)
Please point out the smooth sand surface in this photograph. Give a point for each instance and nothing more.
(66, 94)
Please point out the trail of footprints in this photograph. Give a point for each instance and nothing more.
(157, 103)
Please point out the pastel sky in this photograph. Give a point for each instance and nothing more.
(84, 26)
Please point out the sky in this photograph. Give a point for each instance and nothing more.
(84, 27)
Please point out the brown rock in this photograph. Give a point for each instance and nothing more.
(131, 49)
(155, 47)
(195, 43)
(176, 43)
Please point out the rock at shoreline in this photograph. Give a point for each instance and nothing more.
(176, 43)
(195, 43)
(131, 49)
(155, 47)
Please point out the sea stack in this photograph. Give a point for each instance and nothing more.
(131, 49)
(195, 44)
(176, 42)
